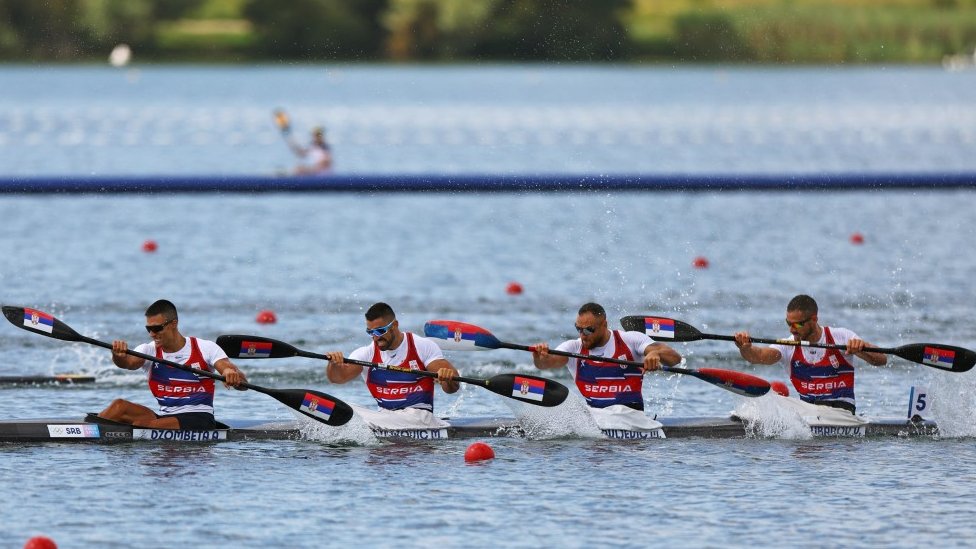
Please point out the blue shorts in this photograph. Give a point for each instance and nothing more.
(194, 421)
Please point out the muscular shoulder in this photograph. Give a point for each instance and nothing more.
(636, 340)
(210, 350)
(571, 346)
(364, 353)
(842, 335)
(426, 348)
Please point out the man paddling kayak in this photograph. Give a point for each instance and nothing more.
(822, 377)
(613, 388)
(185, 399)
(396, 391)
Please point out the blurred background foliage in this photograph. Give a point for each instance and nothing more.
(767, 31)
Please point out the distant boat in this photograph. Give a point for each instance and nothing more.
(120, 55)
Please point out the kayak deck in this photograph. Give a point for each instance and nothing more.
(78, 430)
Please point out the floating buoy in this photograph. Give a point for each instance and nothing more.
(266, 316)
(149, 246)
(479, 451)
(700, 262)
(513, 288)
(779, 388)
(40, 542)
(857, 238)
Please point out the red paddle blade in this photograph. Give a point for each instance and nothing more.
(738, 382)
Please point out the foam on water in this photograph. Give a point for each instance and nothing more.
(766, 418)
(953, 403)
(356, 432)
(571, 419)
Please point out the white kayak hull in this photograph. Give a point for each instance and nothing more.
(79, 430)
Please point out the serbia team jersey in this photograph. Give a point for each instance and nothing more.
(398, 390)
(605, 384)
(178, 391)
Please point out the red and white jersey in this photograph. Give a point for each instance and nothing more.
(398, 390)
(821, 374)
(605, 384)
(176, 390)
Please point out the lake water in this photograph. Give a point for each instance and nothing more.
(488, 120)
(318, 260)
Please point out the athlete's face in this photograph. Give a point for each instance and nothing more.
(161, 329)
(802, 324)
(592, 329)
(384, 332)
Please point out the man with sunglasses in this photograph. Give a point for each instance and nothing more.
(185, 400)
(613, 391)
(822, 377)
(405, 393)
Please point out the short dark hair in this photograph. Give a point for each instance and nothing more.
(163, 307)
(379, 310)
(594, 309)
(803, 303)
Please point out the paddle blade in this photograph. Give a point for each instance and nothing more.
(739, 383)
(942, 357)
(247, 346)
(317, 405)
(660, 328)
(39, 322)
(282, 121)
(530, 389)
(460, 336)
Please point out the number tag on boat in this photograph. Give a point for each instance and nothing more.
(919, 403)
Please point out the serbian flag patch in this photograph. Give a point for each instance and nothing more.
(38, 320)
(940, 358)
(528, 388)
(659, 327)
(255, 349)
(317, 406)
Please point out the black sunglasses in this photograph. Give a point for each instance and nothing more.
(585, 331)
(156, 328)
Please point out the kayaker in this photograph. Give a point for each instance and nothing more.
(185, 400)
(318, 154)
(394, 390)
(607, 386)
(821, 377)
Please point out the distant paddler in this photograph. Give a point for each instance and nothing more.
(317, 156)
(612, 391)
(185, 399)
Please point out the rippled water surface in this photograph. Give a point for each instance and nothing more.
(320, 260)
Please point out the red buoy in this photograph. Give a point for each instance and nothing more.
(779, 388)
(266, 316)
(700, 262)
(857, 238)
(513, 288)
(479, 451)
(40, 542)
(149, 246)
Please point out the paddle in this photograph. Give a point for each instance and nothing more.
(936, 355)
(531, 389)
(461, 336)
(314, 404)
(281, 120)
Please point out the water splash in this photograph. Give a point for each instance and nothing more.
(952, 399)
(766, 418)
(357, 432)
(571, 419)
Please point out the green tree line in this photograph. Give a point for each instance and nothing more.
(776, 31)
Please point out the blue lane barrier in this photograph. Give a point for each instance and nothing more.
(485, 183)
